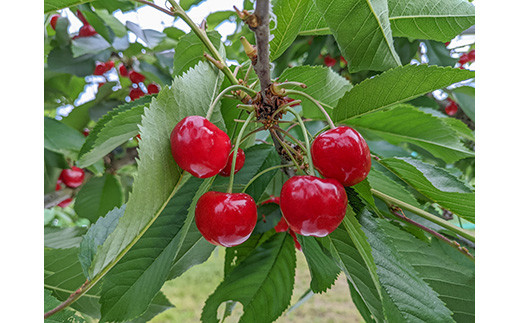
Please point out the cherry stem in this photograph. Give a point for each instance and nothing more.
(221, 94)
(288, 104)
(316, 102)
(398, 212)
(287, 148)
(285, 132)
(263, 172)
(307, 143)
(235, 151)
(428, 216)
(248, 72)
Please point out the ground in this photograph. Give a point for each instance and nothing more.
(189, 292)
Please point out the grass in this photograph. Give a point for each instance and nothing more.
(189, 292)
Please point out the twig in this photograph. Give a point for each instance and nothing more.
(398, 212)
(151, 4)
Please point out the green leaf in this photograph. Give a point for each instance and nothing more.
(424, 19)
(53, 5)
(98, 196)
(436, 184)
(216, 18)
(290, 15)
(349, 247)
(314, 22)
(61, 60)
(151, 37)
(405, 123)
(187, 4)
(362, 30)
(257, 158)
(62, 139)
(398, 85)
(324, 271)
(383, 183)
(407, 297)
(63, 238)
(323, 84)
(112, 22)
(465, 97)
(130, 286)
(158, 178)
(438, 54)
(190, 50)
(263, 283)
(96, 236)
(360, 304)
(113, 129)
(363, 189)
(66, 315)
(446, 271)
(62, 275)
(89, 45)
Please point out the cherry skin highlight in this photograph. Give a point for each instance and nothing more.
(199, 147)
(72, 177)
(313, 206)
(341, 153)
(241, 158)
(225, 219)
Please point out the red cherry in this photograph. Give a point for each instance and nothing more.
(471, 55)
(288, 99)
(99, 69)
(241, 158)
(341, 153)
(72, 177)
(282, 226)
(329, 61)
(58, 186)
(341, 58)
(138, 137)
(153, 88)
(136, 93)
(199, 147)
(447, 43)
(136, 77)
(87, 31)
(225, 219)
(54, 20)
(86, 131)
(463, 59)
(109, 65)
(313, 206)
(65, 202)
(123, 71)
(100, 85)
(451, 108)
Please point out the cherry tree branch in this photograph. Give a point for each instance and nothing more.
(262, 66)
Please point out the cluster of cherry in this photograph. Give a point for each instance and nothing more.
(310, 205)
(103, 67)
(72, 177)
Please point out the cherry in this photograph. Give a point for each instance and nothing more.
(288, 99)
(65, 202)
(58, 186)
(99, 69)
(123, 71)
(136, 77)
(341, 153)
(87, 31)
(54, 21)
(313, 206)
(282, 224)
(471, 55)
(138, 137)
(225, 219)
(153, 88)
(241, 158)
(272, 199)
(447, 43)
(341, 58)
(86, 131)
(199, 147)
(109, 65)
(100, 85)
(136, 93)
(72, 177)
(329, 61)
(451, 108)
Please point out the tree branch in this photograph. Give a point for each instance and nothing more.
(262, 66)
